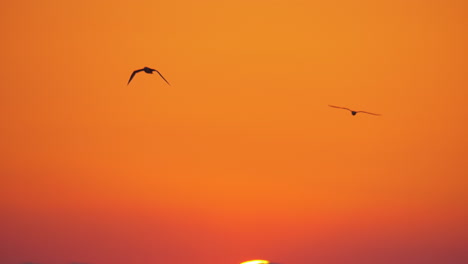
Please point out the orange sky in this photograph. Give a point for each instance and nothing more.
(241, 158)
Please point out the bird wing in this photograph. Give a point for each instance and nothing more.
(340, 107)
(367, 113)
(133, 74)
(162, 77)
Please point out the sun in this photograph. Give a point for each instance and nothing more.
(256, 261)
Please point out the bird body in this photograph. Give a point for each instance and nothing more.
(353, 112)
(146, 70)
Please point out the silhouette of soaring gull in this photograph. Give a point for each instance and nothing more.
(149, 71)
(352, 111)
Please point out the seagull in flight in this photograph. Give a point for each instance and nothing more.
(352, 111)
(147, 70)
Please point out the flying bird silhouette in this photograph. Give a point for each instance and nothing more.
(149, 71)
(352, 111)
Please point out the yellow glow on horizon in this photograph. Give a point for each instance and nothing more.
(256, 261)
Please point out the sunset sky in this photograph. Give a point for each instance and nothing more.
(240, 158)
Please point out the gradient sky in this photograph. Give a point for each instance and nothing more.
(241, 158)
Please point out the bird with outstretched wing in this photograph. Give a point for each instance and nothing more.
(353, 112)
(149, 71)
